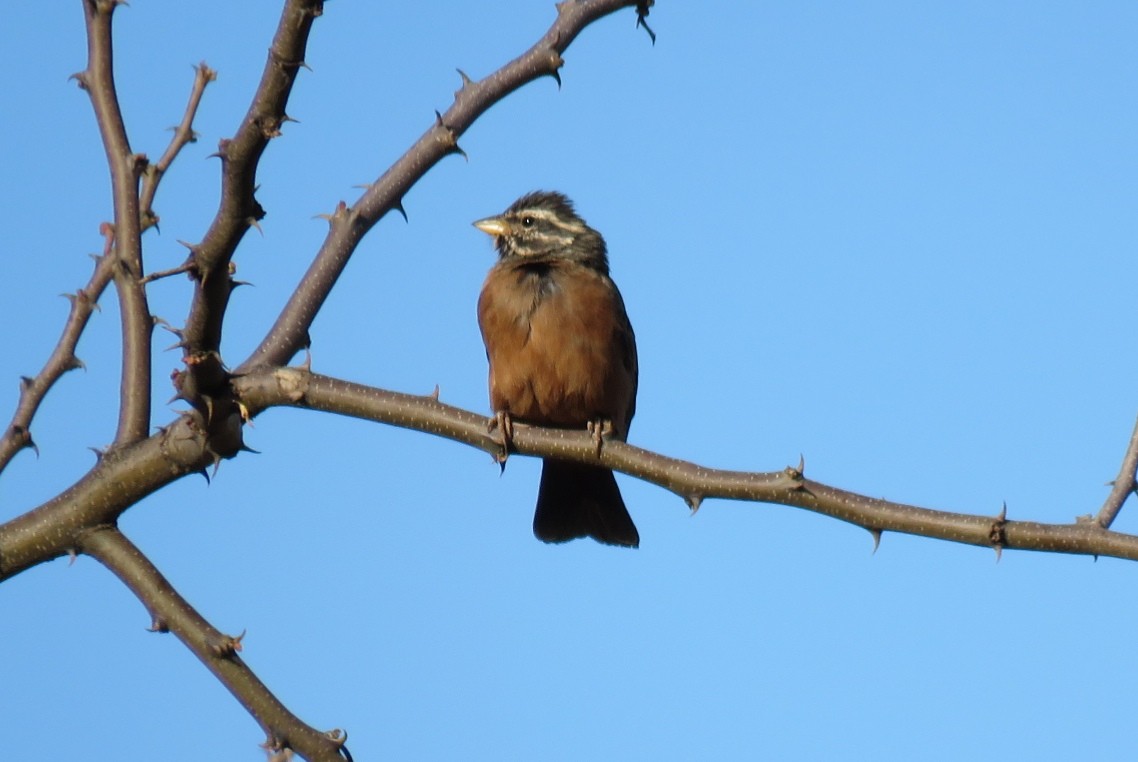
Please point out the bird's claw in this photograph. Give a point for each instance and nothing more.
(600, 428)
(502, 422)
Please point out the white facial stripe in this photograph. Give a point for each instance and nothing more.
(545, 215)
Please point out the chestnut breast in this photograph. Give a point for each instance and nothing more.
(560, 346)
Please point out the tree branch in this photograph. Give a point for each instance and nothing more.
(296, 387)
(183, 135)
(1123, 486)
(238, 209)
(348, 225)
(18, 435)
(170, 612)
(121, 477)
(125, 168)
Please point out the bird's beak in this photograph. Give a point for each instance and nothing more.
(492, 226)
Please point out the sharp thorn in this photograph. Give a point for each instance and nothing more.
(641, 14)
(694, 502)
(876, 539)
(466, 81)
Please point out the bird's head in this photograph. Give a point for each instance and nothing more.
(541, 226)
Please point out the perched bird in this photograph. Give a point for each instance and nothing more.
(562, 353)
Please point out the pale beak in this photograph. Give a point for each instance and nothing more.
(492, 226)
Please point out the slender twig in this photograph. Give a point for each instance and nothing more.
(183, 135)
(1123, 486)
(18, 435)
(170, 612)
(298, 387)
(185, 267)
(125, 168)
(349, 224)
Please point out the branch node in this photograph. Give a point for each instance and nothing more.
(997, 535)
(226, 646)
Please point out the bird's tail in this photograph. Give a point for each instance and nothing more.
(575, 500)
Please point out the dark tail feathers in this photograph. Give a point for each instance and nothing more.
(576, 500)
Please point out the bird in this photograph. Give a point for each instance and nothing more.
(561, 353)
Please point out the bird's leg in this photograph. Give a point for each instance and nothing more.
(600, 428)
(505, 425)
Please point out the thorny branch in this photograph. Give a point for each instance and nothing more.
(18, 435)
(170, 612)
(183, 135)
(298, 387)
(98, 80)
(238, 209)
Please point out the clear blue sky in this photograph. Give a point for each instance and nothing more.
(896, 238)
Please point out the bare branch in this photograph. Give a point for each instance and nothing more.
(183, 135)
(170, 612)
(125, 168)
(349, 224)
(240, 157)
(121, 477)
(18, 435)
(1123, 486)
(297, 387)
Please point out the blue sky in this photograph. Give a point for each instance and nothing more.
(895, 238)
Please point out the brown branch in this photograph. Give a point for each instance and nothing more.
(183, 135)
(121, 477)
(238, 209)
(1123, 486)
(170, 612)
(348, 225)
(18, 435)
(297, 387)
(125, 168)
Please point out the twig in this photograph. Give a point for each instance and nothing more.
(18, 435)
(1123, 486)
(170, 612)
(183, 135)
(349, 224)
(125, 167)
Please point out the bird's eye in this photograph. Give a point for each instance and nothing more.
(527, 222)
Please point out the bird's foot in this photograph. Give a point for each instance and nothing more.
(505, 426)
(600, 428)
